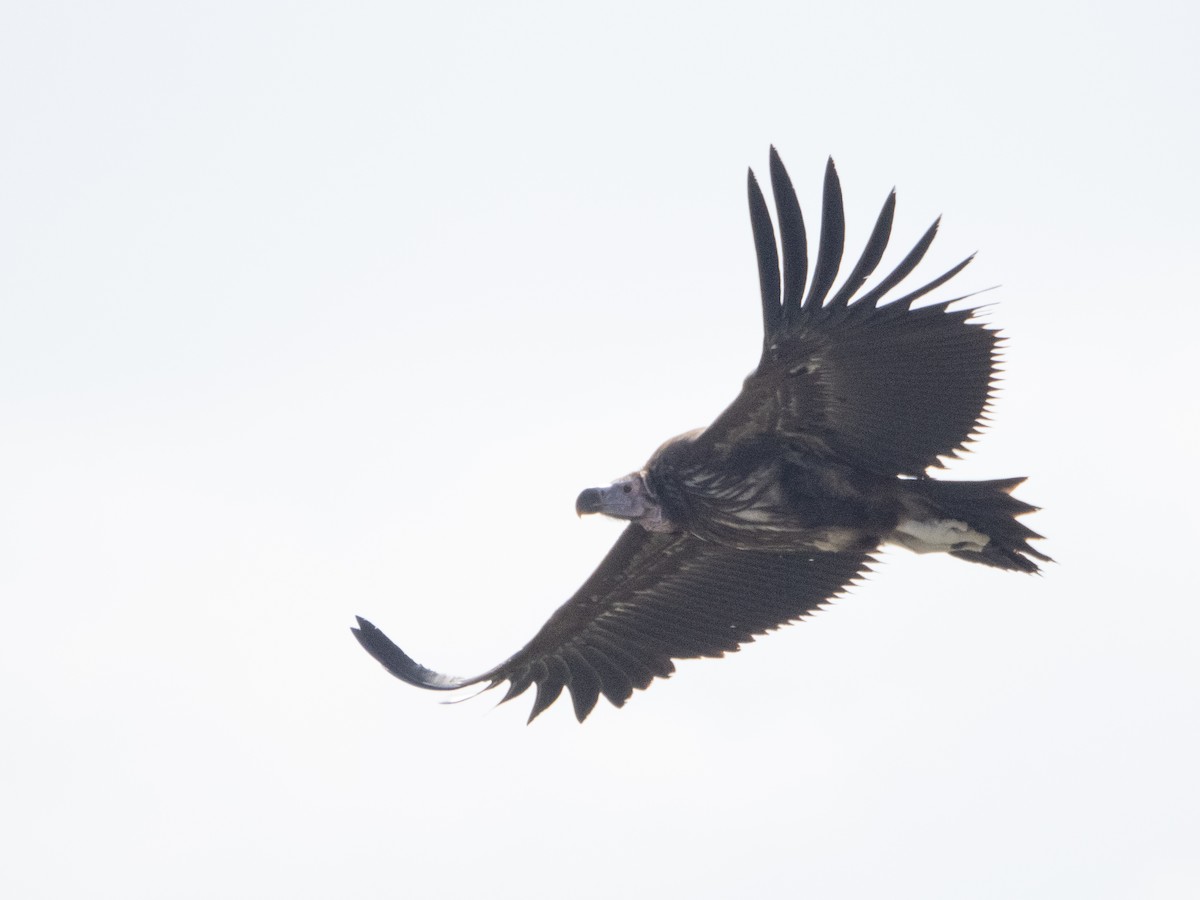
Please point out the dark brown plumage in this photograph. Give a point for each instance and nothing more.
(776, 507)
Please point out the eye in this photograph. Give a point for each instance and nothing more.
(627, 488)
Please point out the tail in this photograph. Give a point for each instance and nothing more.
(989, 508)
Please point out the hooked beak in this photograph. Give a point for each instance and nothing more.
(589, 502)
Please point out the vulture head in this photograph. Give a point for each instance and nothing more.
(633, 498)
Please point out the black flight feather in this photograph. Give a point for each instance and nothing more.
(871, 255)
(792, 240)
(833, 239)
(768, 258)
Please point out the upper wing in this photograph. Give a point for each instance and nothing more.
(654, 598)
(887, 388)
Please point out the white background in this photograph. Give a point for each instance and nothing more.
(315, 310)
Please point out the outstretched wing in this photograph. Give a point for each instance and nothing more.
(886, 388)
(655, 597)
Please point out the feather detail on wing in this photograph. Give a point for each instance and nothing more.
(655, 597)
(888, 389)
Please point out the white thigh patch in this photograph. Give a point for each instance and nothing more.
(937, 536)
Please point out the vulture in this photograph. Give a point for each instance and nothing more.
(777, 507)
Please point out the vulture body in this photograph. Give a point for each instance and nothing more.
(776, 507)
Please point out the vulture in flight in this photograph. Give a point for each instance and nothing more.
(777, 506)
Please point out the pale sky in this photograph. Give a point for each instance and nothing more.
(315, 310)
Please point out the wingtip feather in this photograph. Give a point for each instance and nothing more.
(832, 240)
(400, 664)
